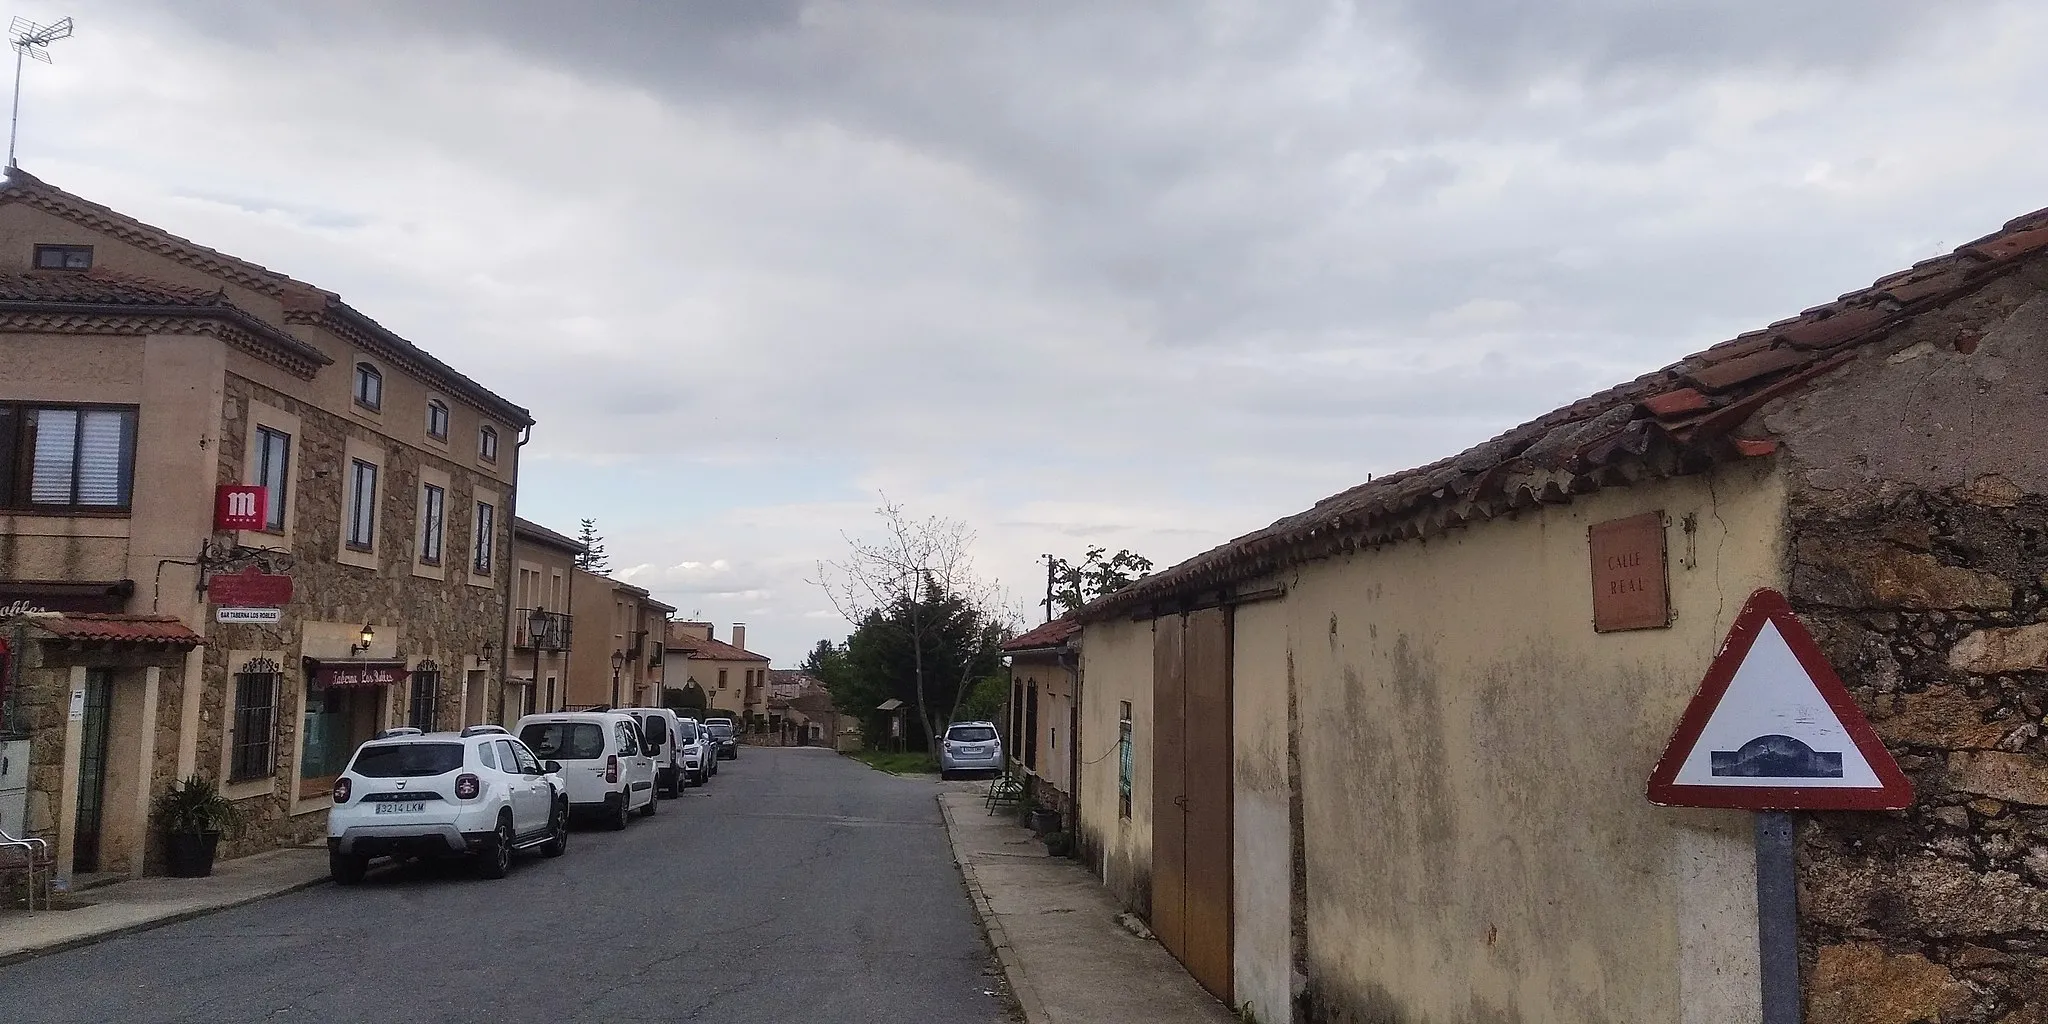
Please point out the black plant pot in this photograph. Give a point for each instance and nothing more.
(1044, 820)
(190, 854)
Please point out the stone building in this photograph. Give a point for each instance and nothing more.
(618, 639)
(1385, 760)
(543, 619)
(150, 382)
(733, 678)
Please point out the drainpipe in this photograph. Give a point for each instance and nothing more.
(1071, 659)
(511, 560)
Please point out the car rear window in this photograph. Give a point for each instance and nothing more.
(971, 733)
(719, 729)
(407, 760)
(687, 730)
(655, 728)
(564, 741)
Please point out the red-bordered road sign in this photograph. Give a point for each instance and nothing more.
(1772, 728)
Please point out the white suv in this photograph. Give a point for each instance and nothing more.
(479, 792)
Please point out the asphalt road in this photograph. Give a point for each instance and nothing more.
(797, 886)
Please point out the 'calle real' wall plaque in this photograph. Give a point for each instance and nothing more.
(1630, 584)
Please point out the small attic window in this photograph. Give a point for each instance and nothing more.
(63, 257)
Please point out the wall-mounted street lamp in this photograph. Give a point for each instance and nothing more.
(618, 663)
(369, 636)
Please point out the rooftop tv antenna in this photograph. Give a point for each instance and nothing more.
(30, 40)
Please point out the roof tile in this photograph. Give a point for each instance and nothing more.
(113, 628)
(1725, 374)
(1521, 466)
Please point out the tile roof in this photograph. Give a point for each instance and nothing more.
(531, 530)
(112, 628)
(101, 287)
(1674, 420)
(97, 292)
(712, 650)
(303, 302)
(1052, 634)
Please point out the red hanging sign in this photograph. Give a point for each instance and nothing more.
(249, 589)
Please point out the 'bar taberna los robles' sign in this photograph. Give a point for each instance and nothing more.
(346, 674)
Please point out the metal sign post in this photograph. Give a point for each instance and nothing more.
(1777, 917)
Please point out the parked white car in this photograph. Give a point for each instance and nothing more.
(699, 764)
(478, 793)
(607, 769)
(661, 731)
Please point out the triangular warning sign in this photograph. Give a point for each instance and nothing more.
(1773, 729)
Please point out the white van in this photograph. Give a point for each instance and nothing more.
(605, 765)
(661, 729)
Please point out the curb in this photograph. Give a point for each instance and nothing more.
(116, 932)
(998, 940)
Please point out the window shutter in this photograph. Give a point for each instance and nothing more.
(56, 443)
(101, 476)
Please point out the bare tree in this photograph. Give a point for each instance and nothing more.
(918, 574)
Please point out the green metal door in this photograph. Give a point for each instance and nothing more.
(92, 771)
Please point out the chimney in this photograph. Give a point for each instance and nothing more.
(681, 629)
(739, 635)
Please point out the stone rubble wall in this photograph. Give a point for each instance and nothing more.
(1919, 549)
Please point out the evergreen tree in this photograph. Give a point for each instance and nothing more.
(593, 557)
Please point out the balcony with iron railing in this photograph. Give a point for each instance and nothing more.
(541, 630)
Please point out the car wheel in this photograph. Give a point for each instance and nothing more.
(945, 775)
(495, 859)
(558, 842)
(618, 822)
(347, 868)
(653, 801)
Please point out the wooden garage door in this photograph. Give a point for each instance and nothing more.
(1191, 817)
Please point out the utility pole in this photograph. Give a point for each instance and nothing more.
(1048, 587)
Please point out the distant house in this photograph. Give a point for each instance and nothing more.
(1044, 726)
(543, 622)
(1386, 759)
(619, 658)
(732, 677)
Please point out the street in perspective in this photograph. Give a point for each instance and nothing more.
(1292, 512)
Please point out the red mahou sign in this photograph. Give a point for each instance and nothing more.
(240, 507)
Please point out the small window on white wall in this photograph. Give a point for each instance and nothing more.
(369, 389)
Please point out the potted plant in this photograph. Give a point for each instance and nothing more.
(193, 815)
(1059, 844)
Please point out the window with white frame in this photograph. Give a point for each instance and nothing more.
(67, 458)
(369, 388)
(486, 538)
(433, 522)
(273, 473)
(362, 505)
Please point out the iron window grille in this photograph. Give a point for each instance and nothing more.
(426, 696)
(254, 755)
(1123, 744)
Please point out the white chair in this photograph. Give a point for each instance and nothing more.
(32, 857)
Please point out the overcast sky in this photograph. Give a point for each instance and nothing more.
(1144, 274)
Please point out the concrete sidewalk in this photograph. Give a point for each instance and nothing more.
(1055, 931)
(109, 910)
